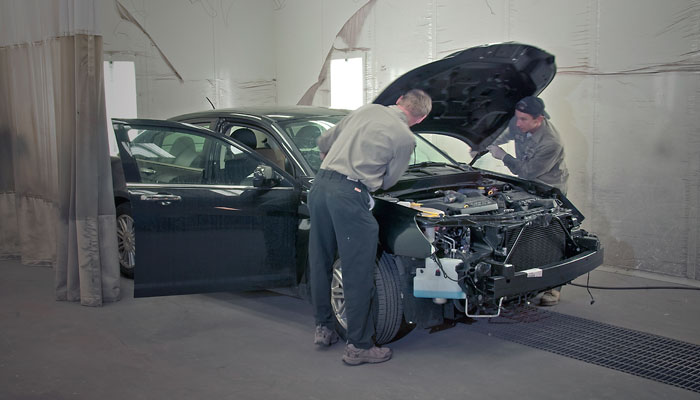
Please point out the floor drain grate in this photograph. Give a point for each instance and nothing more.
(648, 356)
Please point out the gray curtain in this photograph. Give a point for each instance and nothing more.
(56, 202)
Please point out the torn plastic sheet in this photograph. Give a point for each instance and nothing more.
(126, 16)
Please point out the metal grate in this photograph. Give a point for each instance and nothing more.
(537, 246)
(648, 356)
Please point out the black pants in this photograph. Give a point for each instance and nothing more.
(341, 221)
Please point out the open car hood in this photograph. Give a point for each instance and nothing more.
(474, 91)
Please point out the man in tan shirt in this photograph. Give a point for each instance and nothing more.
(367, 150)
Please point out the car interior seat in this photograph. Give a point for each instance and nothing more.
(306, 141)
(184, 151)
(307, 136)
(273, 154)
(238, 169)
(245, 136)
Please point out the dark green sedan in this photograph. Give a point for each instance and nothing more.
(216, 201)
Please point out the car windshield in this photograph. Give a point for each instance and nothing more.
(427, 153)
(304, 133)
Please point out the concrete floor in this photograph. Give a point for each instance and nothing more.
(259, 346)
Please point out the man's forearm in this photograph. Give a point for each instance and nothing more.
(513, 164)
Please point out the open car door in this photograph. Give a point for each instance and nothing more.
(209, 214)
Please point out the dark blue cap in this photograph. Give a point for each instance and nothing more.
(532, 105)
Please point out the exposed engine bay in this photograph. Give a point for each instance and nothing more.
(485, 235)
(490, 198)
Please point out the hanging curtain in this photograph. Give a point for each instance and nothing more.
(56, 202)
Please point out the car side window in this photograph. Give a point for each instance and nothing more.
(305, 135)
(164, 156)
(261, 141)
(201, 123)
(232, 166)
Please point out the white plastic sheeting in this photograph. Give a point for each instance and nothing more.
(56, 199)
(31, 21)
(187, 51)
(625, 98)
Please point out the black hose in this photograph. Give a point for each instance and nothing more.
(635, 287)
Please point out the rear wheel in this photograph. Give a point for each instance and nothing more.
(387, 303)
(126, 240)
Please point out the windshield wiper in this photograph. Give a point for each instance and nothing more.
(418, 166)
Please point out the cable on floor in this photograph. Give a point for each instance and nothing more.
(635, 287)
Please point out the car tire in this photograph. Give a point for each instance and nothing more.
(126, 240)
(387, 305)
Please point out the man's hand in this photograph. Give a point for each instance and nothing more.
(322, 155)
(497, 152)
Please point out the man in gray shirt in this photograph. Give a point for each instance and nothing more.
(539, 155)
(369, 149)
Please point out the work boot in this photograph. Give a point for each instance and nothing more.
(325, 336)
(550, 297)
(355, 356)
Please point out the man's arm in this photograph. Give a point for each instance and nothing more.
(544, 159)
(398, 164)
(503, 138)
(325, 141)
(507, 135)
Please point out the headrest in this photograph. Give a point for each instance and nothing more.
(307, 136)
(245, 136)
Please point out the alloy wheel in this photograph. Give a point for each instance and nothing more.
(338, 295)
(126, 241)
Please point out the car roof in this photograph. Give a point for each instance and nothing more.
(159, 123)
(272, 112)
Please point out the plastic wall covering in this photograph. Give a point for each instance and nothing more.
(187, 51)
(625, 98)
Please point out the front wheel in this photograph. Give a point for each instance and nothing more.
(126, 240)
(387, 303)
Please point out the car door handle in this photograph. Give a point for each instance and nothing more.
(165, 198)
(148, 171)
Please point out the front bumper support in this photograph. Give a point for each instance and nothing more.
(553, 275)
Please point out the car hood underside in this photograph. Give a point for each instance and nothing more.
(474, 91)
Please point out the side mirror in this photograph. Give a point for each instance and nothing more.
(265, 176)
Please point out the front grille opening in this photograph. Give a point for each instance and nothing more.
(537, 246)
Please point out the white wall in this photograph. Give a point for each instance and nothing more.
(625, 98)
(223, 50)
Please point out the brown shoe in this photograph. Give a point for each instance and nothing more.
(355, 356)
(550, 298)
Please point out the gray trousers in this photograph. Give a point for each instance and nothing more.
(341, 221)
